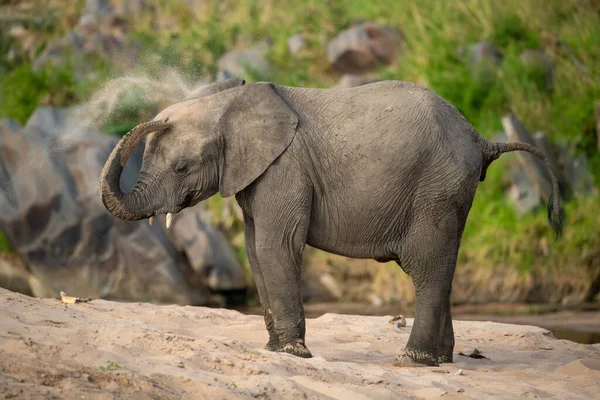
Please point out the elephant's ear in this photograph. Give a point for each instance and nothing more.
(216, 87)
(257, 127)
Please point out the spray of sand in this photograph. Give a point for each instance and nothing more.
(61, 131)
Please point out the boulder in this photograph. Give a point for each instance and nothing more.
(363, 47)
(16, 276)
(577, 171)
(206, 250)
(533, 167)
(101, 33)
(246, 62)
(296, 43)
(522, 192)
(539, 67)
(52, 215)
(484, 60)
(483, 52)
(95, 11)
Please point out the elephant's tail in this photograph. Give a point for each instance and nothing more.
(556, 214)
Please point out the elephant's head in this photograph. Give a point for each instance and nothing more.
(219, 139)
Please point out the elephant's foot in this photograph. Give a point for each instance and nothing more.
(296, 348)
(414, 358)
(446, 359)
(273, 345)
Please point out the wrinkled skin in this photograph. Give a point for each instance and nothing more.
(384, 171)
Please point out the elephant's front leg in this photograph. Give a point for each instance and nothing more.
(281, 269)
(280, 239)
(249, 238)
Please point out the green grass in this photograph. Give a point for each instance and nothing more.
(4, 245)
(111, 366)
(434, 32)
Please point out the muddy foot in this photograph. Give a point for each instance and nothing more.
(273, 345)
(411, 358)
(298, 349)
(445, 359)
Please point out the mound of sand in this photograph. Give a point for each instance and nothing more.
(105, 350)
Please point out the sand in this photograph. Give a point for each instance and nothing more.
(106, 350)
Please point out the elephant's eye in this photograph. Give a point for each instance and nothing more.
(180, 167)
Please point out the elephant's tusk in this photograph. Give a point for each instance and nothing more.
(169, 220)
(151, 220)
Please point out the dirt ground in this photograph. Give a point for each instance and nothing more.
(107, 350)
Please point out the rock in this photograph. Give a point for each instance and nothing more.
(296, 43)
(351, 80)
(539, 66)
(15, 276)
(100, 34)
(472, 353)
(51, 214)
(542, 143)
(207, 250)
(95, 12)
(484, 61)
(363, 47)
(534, 168)
(133, 8)
(77, 47)
(242, 63)
(522, 192)
(399, 320)
(577, 171)
(482, 53)
(329, 282)
(223, 75)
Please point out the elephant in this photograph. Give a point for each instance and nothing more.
(385, 171)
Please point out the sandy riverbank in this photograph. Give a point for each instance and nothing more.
(105, 349)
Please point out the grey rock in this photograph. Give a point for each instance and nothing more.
(77, 47)
(16, 277)
(484, 52)
(522, 192)
(484, 61)
(51, 214)
(331, 284)
(224, 74)
(537, 62)
(242, 63)
(296, 43)
(207, 250)
(133, 8)
(577, 171)
(534, 168)
(351, 80)
(543, 144)
(95, 12)
(363, 47)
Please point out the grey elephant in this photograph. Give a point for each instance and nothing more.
(384, 171)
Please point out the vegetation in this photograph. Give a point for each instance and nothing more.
(434, 34)
(111, 366)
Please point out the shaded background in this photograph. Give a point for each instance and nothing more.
(74, 76)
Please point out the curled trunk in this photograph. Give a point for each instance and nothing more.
(129, 206)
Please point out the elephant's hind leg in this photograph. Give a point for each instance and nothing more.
(429, 257)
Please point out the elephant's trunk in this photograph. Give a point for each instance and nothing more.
(129, 206)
